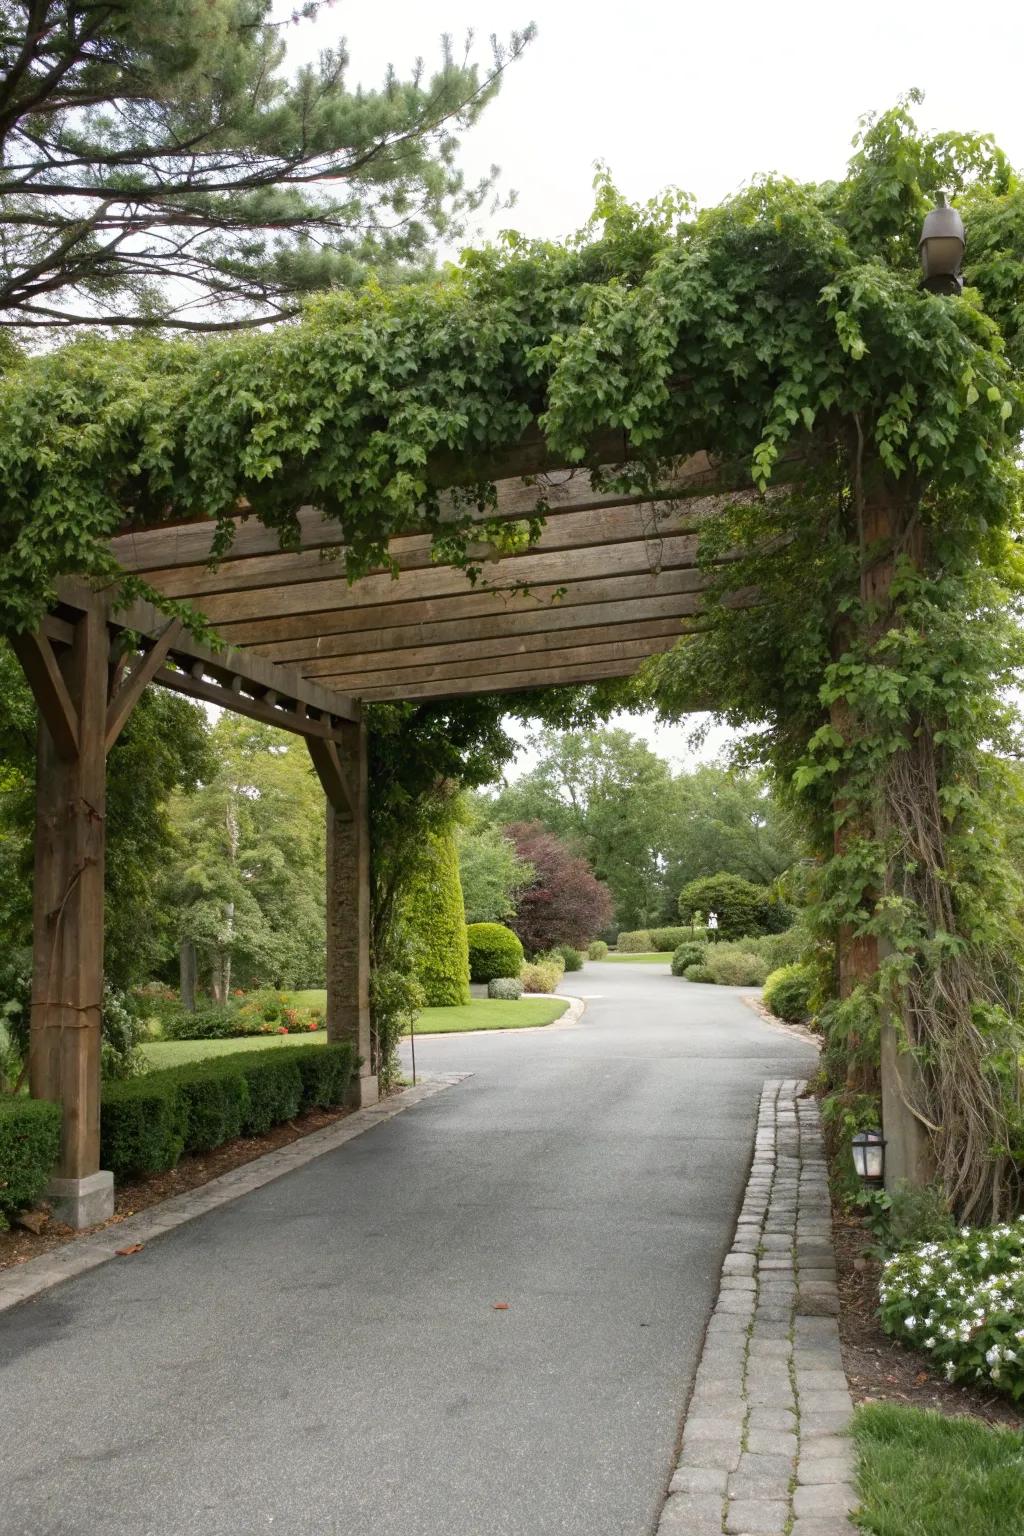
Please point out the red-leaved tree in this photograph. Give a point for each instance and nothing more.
(564, 903)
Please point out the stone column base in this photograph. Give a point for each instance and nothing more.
(364, 1091)
(84, 1202)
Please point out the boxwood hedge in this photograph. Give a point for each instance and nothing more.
(29, 1147)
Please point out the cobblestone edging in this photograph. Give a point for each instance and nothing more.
(764, 1448)
(22, 1281)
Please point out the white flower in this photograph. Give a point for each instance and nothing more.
(950, 1370)
(910, 1323)
(929, 1343)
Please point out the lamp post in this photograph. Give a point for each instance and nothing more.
(869, 1157)
(941, 248)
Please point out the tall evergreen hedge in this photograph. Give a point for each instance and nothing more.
(436, 923)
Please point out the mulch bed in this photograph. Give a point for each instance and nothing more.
(18, 1245)
(879, 1368)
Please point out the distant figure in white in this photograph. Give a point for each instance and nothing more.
(713, 925)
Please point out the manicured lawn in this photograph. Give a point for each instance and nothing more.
(171, 1053)
(922, 1474)
(481, 1013)
(489, 1013)
(650, 957)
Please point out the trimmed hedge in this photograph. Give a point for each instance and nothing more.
(494, 951)
(29, 1148)
(597, 949)
(637, 942)
(665, 939)
(698, 973)
(733, 967)
(147, 1123)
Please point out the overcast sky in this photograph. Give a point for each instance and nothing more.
(696, 96)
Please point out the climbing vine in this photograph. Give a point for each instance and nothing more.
(875, 426)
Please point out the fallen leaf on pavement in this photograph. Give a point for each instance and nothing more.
(132, 1248)
(499, 1306)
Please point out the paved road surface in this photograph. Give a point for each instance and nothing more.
(323, 1357)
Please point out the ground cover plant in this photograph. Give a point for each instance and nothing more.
(961, 1303)
(927, 1474)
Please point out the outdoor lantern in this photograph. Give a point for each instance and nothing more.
(941, 247)
(869, 1156)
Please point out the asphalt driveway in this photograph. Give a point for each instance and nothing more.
(325, 1355)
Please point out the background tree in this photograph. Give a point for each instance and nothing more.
(727, 820)
(158, 166)
(609, 796)
(491, 871)
(247, 890)
(564, 903)
(742, 908)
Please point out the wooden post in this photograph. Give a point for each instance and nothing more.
(888, 528)
(342, 768)
(67, 974)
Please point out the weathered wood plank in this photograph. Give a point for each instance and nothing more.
(131, 689)
(524, 646)
(633, 557)
(315, 656)
(297, 634)
(494, 666)
(567, 531)
(49, 690)
(508, 682)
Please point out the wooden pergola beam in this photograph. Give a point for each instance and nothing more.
(502, 682)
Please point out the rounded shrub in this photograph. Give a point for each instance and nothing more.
(698, 973)
(494, 951)
(554, 958)
(572, 957)
(506, 989)
(788, 991)
(29, 1144)
(597, 949)
(735, 968)
(690, 953)
(540, 976)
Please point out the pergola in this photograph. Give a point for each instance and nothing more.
(613, 579)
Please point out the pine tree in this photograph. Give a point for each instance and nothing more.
(159, 167)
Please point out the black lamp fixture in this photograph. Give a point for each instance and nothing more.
(869, 1157)
(941, 248)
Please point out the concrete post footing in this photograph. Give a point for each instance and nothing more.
(84, 1202)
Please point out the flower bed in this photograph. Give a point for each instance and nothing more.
(961, 1302)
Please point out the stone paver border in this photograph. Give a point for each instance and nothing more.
(765, 1450)
(23, 1281)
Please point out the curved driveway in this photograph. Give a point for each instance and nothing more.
(324, 1357)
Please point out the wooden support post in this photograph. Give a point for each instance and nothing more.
(348, 900)
(67, 978)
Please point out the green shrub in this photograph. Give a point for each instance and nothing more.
(636, 942)
(666, 939)
(552, 957)
(742, 908)
(434, 916)
(494, 951)
(143, 1124)
(123, 1031)
(961, 1302)
(698, 973)
(688, 954)
(275, 1088)
(507, 989)
(788, 992)
(326, 1072)
(146, 1123)
(730, 967)
(597, 949)
(210, 1021)
(572, 957)
(29, 1147)
(539, 976)
(780, 949)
